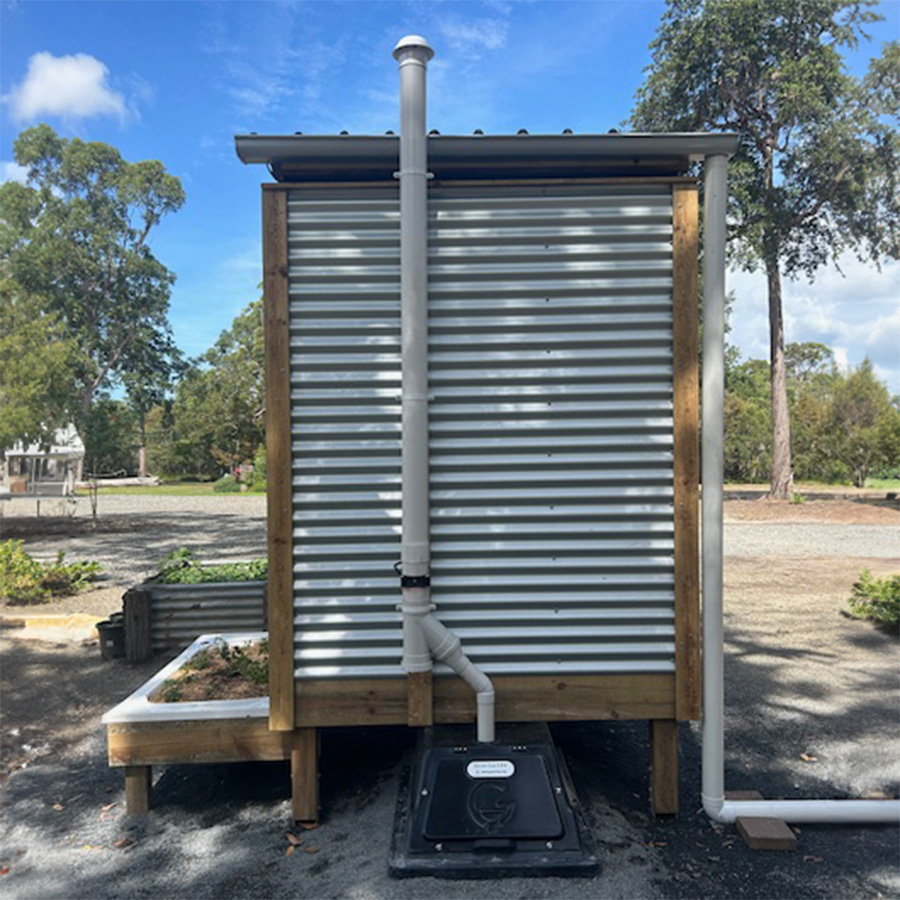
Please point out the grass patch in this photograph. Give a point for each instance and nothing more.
(187, 489)
(883, 484)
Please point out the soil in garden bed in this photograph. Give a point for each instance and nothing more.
(219, 672)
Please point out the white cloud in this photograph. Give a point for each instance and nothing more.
(12, 171)
(72, 87)
(857, 313)
(473, 36)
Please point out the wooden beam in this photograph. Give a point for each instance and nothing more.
(686, 452)
(137, 790)
(664, 766)
(534, 698)
(280, 609)
(138, 643)
(208, 741)
(305, 775)
(420, 699)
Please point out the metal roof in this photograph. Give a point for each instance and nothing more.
(347, 157)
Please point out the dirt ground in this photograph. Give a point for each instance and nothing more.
(812, 710)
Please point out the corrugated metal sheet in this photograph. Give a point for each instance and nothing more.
(179, 613)
(551, 427)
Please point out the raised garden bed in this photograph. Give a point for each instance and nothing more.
(142, 733)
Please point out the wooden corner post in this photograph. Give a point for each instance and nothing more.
(280, 589)
(686, 446)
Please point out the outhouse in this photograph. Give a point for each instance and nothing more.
(559, 415)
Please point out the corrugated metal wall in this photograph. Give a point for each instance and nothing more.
(179, 613)
(551, 427)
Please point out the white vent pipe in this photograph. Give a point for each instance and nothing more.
(424, 636)
(713, 783)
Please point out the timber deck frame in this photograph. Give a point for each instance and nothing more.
(141, 734)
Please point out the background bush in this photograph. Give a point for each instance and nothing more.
(876, 598)
(25, 580)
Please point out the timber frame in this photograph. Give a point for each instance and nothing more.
(661, 699)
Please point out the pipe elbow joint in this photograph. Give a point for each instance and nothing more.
(715, 808)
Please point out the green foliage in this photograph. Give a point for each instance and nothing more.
(36, 362)
(817, 167)
(260, 469)
(217, 419)
(844, 425)
(171, 691)
(182, 567)
(876, 598)
(241, 664)
(25, 580)
(227, 485)
(217, 665)
(74, 241)
(772, 71)
(863, 425)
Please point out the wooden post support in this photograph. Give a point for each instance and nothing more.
(137, 790)
(664, 766)
(279, 525)
(686, 450)
(305, 775)
(419, 699)
(138, 644)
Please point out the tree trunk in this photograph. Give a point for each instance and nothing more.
(782, 484)
(142, 450)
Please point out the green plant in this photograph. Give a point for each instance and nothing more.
(171, 692)
(227, 485)
(181, 566)
(797, 498)
(876, 598)
(25, 580)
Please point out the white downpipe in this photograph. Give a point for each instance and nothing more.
(424, 637)
(713, 755)
(446, 648)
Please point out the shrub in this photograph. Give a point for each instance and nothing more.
(258, 479)
(181, 566)
(25, 580)
(876, 598)
(227, 485)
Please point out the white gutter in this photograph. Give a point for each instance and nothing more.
(713, 754)
(423, 634)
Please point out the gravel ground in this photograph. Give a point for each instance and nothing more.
(801, 681)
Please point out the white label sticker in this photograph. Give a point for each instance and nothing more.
(490, 768)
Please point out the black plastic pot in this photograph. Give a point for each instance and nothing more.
(112, 639)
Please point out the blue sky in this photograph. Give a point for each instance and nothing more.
(175, 81)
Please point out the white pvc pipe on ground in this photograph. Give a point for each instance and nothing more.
(713, 753)
(424, 637)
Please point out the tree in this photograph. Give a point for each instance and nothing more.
(864, 424)
(76, 238)
(816, 172)
(152, 364)
(219, 409)
(36, 360)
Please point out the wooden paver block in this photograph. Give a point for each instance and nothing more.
(743, 795)
(766, 833)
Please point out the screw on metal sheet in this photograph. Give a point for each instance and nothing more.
(438, 847)
(424, 792)
(559, 790)
(549, 845)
